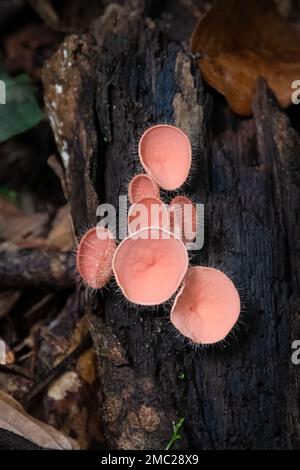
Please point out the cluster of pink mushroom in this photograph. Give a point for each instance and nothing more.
(151, 265)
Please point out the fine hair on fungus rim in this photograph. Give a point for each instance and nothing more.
(94, 257)
(207, 307)
(166, 155)
(149, 266)
(142, 186)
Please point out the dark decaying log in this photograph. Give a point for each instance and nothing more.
(247, 174)
(35, 267)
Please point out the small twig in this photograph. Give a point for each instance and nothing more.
(35, 267)
(45, 10)
(17, 370)
(54, 373)
(176, 433)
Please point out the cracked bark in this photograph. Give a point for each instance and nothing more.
(128, 72)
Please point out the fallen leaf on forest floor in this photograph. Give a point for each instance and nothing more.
(24, 227)
(14, 418)
(86, 366)
(61, 235)
(70, 401)
(239, 42)
(29, 229)
(16, 226)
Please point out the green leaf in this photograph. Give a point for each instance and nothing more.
(9, 194)
(21, 111)
(176, 433)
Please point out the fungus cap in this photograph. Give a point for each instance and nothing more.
(150, 265)
(94, 257)
(148, 212)
(207, 306)
(142, 186)
(166, 155)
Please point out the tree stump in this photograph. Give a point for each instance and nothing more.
(122, 75)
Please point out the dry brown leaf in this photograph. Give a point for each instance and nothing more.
(86, 366)
(28, 230)
(16, 226)
(241, 41)
(14, 418)
(71, 400)
(61, 234)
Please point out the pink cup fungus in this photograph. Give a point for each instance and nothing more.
(148, 212)
(150, 265)
(207, 307)
(183, 218)
(166, 155)
(142, 186)
(94, 257)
